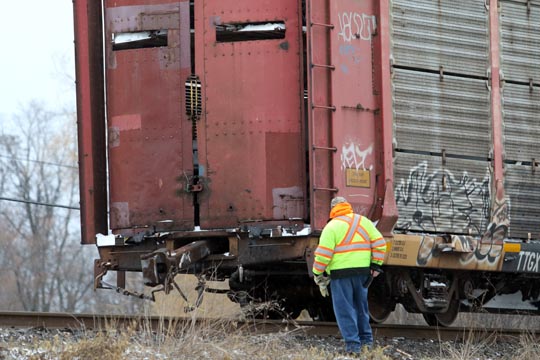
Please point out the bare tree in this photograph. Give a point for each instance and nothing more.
(38, 211)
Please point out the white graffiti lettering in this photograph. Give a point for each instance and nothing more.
(353, 25)
(353, 157)
(528, 261)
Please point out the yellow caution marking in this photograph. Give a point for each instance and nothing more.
(512, 247)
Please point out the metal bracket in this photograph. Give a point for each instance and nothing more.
(194, 188)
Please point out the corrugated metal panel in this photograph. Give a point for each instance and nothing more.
(522, 122)
(453, 198)
(522, 188)
(431, 114)
(453, 34)
(520, 29)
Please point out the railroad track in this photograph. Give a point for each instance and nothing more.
(102, 322)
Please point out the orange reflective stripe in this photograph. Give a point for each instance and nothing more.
(355, 246)
(363, 232)
(378, 242)
(329, 257)
(319, 266)
(355, 227)
(351, 250)
(320, 247)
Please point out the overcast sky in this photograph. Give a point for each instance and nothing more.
(37, 54)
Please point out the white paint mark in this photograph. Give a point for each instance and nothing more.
(353, 157)
(353, 25)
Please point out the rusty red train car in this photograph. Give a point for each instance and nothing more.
(213, 135)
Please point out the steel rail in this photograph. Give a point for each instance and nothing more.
(102, 322)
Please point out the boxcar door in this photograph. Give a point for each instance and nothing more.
(149, 138)
(248, 57)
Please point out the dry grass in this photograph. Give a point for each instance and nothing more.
(473, 347)
(210, 340)
(529, 348)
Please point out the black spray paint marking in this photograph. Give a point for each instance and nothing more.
(442, 202)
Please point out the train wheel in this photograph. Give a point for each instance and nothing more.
(379, 299)
(443, 319)
(379, 311)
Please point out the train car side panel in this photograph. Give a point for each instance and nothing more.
(356, 98)
(90, 119)
(520, 70)
(250, 137)
(150, 147)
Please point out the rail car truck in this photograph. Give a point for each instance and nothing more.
(213, 135)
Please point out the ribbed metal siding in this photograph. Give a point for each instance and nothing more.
(432, 197)
(450, 33)
(523, 188)
(520, 48)
(521, 109)
(520, 62)
(432, 114)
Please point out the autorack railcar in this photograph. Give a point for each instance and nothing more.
(213, 135)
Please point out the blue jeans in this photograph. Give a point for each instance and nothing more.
(349, 298)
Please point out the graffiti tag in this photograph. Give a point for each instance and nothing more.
(353, 25)
(353, 157)
(442, 202)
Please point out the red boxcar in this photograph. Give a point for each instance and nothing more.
(213, 135)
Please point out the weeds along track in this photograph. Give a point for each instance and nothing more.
(98, 322)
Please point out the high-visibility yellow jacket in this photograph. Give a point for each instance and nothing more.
(348, 241)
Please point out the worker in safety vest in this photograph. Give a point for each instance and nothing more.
(351, 251)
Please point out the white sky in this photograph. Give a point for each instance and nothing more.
(36, 60)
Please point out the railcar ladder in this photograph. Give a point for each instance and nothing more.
(322, 8)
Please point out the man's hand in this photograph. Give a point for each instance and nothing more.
(323, 282)
(376, 270)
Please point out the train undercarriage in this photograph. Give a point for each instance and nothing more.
(269, 276)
